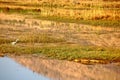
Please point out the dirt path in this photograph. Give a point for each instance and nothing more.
(65, 70)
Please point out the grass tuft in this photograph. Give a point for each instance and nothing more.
(65, 52)
(40, 38)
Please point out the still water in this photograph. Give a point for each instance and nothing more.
(11, 70)
(67, 70)
(37, 68)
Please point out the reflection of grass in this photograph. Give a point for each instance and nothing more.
(65, 52)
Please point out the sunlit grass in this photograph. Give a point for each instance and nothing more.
(5, 41)
(95, 16)
(40, 38)
(86, 13)
(113, 23)
(65, 52)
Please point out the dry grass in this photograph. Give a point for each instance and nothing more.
(40, 38)
(85, 10)
(56, 39)
(41, 31)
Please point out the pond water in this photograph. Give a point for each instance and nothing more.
(11, 70)
(37, 68)
(67, 70)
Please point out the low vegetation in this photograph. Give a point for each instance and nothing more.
(86, 12)
(65, 52)
(40, 38)
(61, 41)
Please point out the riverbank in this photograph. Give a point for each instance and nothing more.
(58, 40)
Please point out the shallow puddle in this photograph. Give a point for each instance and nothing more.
(11, 70)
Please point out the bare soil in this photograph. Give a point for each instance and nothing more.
(15, 26)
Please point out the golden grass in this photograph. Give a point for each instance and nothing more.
(40, 38)
(61, 40)
(95, 10)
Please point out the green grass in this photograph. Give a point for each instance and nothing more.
(65, 52)
(62, 50)
(106, 23)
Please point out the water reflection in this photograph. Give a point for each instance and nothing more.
(65, 70)
(10, 70)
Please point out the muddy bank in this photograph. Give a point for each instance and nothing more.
(65, 70)
(34, 33)
(16, 26)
